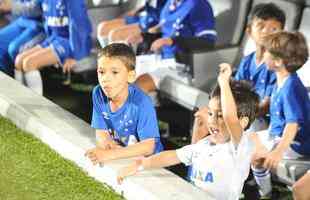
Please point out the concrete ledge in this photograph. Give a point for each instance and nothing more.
(71, 137)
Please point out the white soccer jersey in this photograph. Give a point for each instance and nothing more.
(219, 169)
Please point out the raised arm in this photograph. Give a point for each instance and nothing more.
(229, 108)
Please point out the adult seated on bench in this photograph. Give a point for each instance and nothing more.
(68, 31)
(134, 22)
(190, 22)
(22, 33)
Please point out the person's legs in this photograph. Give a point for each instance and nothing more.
(20, 57)
(301, 188)
(145, 82)
(32, 63)
(122, 33)
(105, 27)
(262, 176)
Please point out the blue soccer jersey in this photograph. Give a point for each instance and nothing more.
(290, 104)
(69, 20)
(262, 79)
(136, 118)
(186, 18)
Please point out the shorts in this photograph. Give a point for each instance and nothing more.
(159, 68)
(131, 19)
(271, 142)
(60, 46)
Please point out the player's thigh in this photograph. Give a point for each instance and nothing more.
(41, 58)
(122, 33)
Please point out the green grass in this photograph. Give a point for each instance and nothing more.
(30, 170)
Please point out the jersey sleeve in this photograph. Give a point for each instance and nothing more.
(185, 154)
(147, 121)
(240, 71)
(292, 105)
(98, 121)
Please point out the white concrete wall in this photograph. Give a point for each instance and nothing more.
(71, 137)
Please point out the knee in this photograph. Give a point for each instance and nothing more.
(297, 191)
(101, 30)
(28, 64)
(146, 83)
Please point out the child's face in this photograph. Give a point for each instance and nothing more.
(273, 63)
(216, 125)
(113, 76)
(260, 28)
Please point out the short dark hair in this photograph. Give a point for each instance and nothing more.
(266, 11)
(120, 51)
(247, 100)
(291, 47)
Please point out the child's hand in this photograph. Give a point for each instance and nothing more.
(225, 73)
(98, 155)
(273, 159)
(159, 43)
(128, 171)
(108, 143)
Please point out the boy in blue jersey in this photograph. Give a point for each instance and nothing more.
(134, 22)
(221, 161)
(68, 31)
(288, 134)
(22, 33)
(265, 19)
(123, 116)
(186, 23)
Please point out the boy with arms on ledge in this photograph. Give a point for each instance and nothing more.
(123, 116)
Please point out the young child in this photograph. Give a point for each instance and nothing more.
(134, 22)
(24, 32)
(221, 161)
(288, 134)
(181, 21)
(123, 116)
(68, 31)
(264, 19)
(301, 188)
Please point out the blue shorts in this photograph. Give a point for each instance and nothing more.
(60, 46)
(132, 19)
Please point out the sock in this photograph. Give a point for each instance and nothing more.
(263, 180)
(154, 97)
(19, 76)
(34, 81)
(103, 41)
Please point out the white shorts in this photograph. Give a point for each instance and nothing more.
(159, 68)
(271, 142)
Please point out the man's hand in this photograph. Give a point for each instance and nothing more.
(159, 43)
(69, 64)
(128, 170)
(225, 73)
